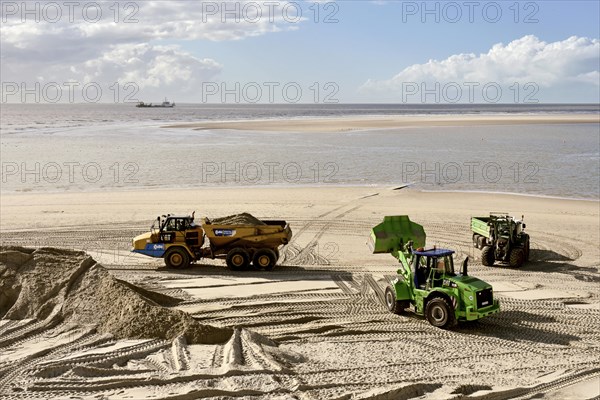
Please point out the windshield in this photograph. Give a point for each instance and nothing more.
(442, 265)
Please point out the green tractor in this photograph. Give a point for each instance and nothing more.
(500, 238)
(427, 280)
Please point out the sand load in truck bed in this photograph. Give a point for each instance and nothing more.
(238, 219)
(53, 285)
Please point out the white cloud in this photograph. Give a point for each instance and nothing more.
(561, 70)
(126, 46)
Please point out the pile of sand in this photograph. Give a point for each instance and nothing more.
(70, 286)
(238, 219)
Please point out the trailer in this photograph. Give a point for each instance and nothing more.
(241, 240)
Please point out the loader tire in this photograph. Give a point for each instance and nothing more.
(177, 258)
(237, 259)
(395, 306)
(517, 257)
(440, 313)
(264, 259)
(487, 256)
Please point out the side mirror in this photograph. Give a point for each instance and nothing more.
(464, 266)
(524, 226)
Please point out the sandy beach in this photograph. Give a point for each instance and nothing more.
(343, 124)
(315, 327)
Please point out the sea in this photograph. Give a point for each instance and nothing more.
(102, 147)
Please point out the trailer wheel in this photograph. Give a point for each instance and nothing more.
(517, 256)
(439, 313)
(487, 256)
(395, 306)
(237, 259)
(177, 258)
(265, 258)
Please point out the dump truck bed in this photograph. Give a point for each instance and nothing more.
(269, 233)
(480, 226)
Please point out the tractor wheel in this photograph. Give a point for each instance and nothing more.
(439, 313)
(237, 259)
(395, 306)
(487, 256)
(177, 258)
(527, 249)
(265, 259)
(517, 256)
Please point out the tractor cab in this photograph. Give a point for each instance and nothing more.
(430, 267)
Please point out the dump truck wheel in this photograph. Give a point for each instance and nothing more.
(177, 258)
(517, 256)
(237, 259)
(395, 306)
(487, 256)
(265, 259)
(439, 313)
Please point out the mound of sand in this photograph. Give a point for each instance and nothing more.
(67, 285)
(238, 219)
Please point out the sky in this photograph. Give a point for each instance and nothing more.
(301, 51)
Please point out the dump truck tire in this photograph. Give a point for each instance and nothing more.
(487, 256)
(265, 259)
(517, 256)
(177, 258)
(439, 313)
(395, 306)
(237, 259)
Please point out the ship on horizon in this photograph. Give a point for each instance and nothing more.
(164, 104)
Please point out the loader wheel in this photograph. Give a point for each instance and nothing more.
(517, 256)
(395, 306)
(237, 259)
(265, 258)
(487, 256)
(177, 258)
(439, 313)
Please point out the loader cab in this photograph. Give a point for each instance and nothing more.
(431, 266)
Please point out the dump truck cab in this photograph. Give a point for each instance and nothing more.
(427, 281)
(176, 238)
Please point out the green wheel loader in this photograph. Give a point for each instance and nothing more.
(427, 281)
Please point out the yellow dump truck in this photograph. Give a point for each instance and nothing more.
(240, 239)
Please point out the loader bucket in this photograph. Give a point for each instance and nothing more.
(394, 232)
